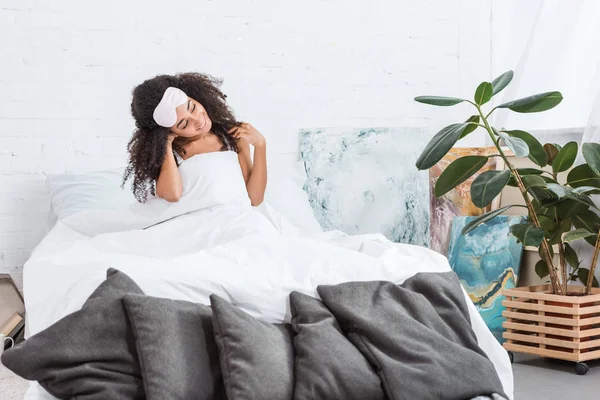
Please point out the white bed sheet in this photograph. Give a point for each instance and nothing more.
(255, 271)
(213, 241)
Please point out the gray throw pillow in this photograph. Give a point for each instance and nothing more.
(327, 365)
(257, 359)
(89, 354)
(418, 336)
(176, 348)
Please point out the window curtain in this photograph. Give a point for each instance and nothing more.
(550, 45)
(591, 133)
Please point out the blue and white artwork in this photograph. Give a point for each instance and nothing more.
(486, 261)
(365, 181)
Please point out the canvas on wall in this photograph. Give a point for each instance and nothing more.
(365, 181)
(486, 260)
(457, 201)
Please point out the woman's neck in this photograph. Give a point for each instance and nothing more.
(185, 140)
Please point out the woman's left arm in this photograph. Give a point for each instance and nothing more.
(255, 174)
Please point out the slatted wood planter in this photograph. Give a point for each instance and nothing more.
(547, 325)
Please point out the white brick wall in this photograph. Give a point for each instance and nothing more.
(68, 67)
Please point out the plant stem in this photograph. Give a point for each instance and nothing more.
(556, 287)
(561, 247)
(488, 114)
(590, 279)
(563, 265)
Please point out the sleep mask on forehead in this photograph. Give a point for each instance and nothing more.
(165, 114)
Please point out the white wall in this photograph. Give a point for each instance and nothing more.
(68, 67)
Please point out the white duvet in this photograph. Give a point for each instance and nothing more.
(213, 241)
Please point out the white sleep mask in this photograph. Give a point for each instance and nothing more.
(165, 114)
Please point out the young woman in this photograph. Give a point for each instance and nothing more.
(181, 116)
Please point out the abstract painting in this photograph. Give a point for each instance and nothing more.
(365, 181)
(486, 261)
(458, 200)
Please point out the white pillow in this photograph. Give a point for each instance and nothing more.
(71, 193)
(287, 196)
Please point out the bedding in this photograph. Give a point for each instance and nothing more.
(417, 335)
(327, 365)
(176, 348)
(72, 193)
(214, 242)
(285, 203)
(257, 358)
(90, 354)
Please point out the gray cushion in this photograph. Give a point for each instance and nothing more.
(89, 354)
(257, 358)
(327, 365)
(417, 335)
(176, 348)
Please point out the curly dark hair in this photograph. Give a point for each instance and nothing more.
(147, 146)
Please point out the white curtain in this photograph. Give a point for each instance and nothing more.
(592, 129)
(591, 133)
(551, 45)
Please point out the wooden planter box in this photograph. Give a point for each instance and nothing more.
(548, 325)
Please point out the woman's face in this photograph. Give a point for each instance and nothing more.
(192, 120)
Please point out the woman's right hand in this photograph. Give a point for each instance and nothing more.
(171, 137)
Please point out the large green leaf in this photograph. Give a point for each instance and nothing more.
(439, 145)
(439, 100)
(547, 224)
(526, 171)
(528, 234)
(475, 222)
(459, 171)
(568, 208)
(588, 220)
(577, 234)
(583, 274)
(487, 186)
(571, 256)
(556, 237)
(533, 180)
(551, 152)
(473, 120)
(536, 103)
(483, 94)
(582, 175)
(586, 189)
(529, 171)
(518, 146)
(541, 269)
(548, 179)
(558, 146)
(537, 154)
(565, 158)
(557, 189)
(591, 154)
(584, 199)
(542, 194)
(501, 82)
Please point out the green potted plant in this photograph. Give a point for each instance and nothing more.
(557, 320)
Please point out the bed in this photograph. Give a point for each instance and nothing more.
(215, 246)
